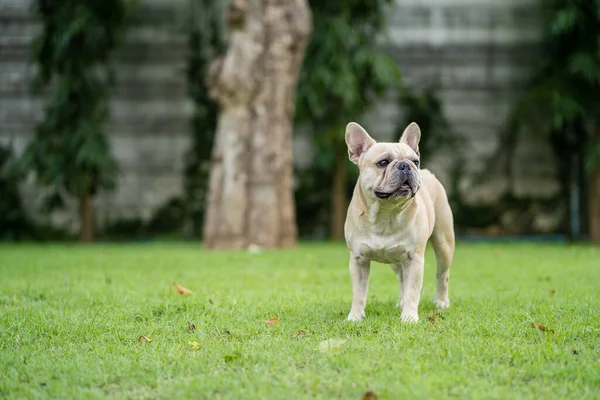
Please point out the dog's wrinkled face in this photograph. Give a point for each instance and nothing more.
(388, 171)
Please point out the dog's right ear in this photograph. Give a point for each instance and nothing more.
(358, 141)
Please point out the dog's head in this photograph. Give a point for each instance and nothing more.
(388, 171)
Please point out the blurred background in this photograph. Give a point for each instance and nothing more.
(505, 92)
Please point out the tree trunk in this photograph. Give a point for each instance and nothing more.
(593, 197)
(86, 218)
(250, 197)
(339, 195)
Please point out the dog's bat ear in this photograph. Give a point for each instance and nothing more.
(412, 136)
(358, 141)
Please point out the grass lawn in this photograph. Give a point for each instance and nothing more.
(71, 316)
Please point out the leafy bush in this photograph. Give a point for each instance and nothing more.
(15, 222)
(69, 153)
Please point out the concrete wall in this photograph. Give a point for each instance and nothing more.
(478, 51)
(149, 127)
(479, 54)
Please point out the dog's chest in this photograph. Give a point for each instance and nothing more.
(384, 249)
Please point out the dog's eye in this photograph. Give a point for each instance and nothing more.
(383, 163)
(416, 162)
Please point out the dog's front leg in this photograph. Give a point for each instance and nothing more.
(411, 287)
(359, 273)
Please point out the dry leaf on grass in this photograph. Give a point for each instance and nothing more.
(191, 326)
(433, 317)
(272, 321)
(331, 345)
(298, 334)
(181, 290)
(540, 327)
(144, 339)
(552, 292)
(370, 395)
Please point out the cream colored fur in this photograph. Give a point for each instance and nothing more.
(395, 230)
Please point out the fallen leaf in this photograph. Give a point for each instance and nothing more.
(194, 345)
(181, 290)
(298, 334)
(191, 326)
(431, 319)
(552, 292)
(540, 327)
(272, 321)
(331, 345)
(370, 395)
(144, 339)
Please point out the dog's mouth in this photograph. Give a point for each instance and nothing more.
(403, 189)
(383, 195)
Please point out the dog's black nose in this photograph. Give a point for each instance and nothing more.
(403, 166)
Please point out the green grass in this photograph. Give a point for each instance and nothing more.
(70, 318)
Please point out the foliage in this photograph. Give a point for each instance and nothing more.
(15, 222)
(568, 77)
(71, 318)
(344, 70)
(166, 221)
(313, 194)
(206, 40)
(561, 99)
(69, 152)
(424, 107)
(562, 96)
(168, 218)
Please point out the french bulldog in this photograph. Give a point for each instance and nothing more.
(396, 208)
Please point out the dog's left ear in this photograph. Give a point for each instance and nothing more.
(411, 136)
(358, 141)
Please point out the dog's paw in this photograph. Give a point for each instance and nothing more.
(410, 317)
(441, 302)
(354, 317)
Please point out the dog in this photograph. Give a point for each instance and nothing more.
(395, 209)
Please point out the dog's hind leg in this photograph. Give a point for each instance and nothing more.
(442, 240)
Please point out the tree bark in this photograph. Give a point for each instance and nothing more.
(593, 197)
(250, 197)
(86, 217)
(339, 195)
